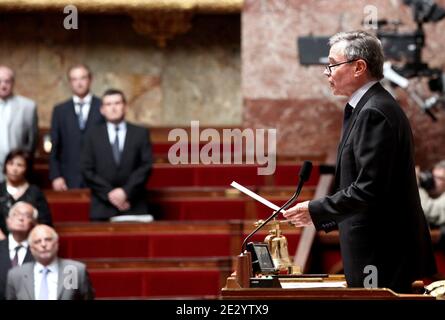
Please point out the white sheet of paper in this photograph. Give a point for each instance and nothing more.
(303, 285)
(254, 195)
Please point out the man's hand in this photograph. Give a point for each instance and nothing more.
(299, 215)
(118, 198)
(59, 184)
(418, 175)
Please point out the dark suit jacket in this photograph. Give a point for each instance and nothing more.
(5, 264)
(20, 282)
(102, 174)
(66, 138)
(32, 195)
(376, 205)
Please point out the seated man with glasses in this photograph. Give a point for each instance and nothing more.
(14, 250)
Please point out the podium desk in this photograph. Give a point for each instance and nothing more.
(232, 291)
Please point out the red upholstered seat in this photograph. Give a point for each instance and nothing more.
(287, 175)
(440, 260)
(202, 209)
(155, 283)
(168, 175)
(70, 211)
(190, 245)
(223, 175)
(103, 245)
(137, 245)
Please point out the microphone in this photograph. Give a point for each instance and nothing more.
(304, 175)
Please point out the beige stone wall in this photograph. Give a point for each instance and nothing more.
(196, 77)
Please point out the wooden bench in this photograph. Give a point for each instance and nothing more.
(159, 239)
(186, 203)
(161, 277)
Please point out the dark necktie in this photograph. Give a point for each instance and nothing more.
(80, 115)
(116, 151)
(15, 259)
(346, 117)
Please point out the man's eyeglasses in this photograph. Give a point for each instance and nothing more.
(330, 66)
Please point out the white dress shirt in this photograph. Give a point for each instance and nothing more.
(5, 118)
(22, 251)
(86, 105)
(111, 128)
(359, 93)
(52, 279)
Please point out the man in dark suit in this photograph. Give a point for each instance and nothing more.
(376, 204)
(116, 162)
(14, 250)
(71, 120)
(49, 277)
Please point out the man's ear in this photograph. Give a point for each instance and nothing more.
(360, 67)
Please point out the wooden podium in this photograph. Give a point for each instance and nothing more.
(295, 289)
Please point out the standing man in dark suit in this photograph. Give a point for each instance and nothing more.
(116, 162)
(376, 204)
(14, 250)
(70, 122)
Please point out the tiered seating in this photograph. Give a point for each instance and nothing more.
(208, 203)
(146, 259)
(200, 224)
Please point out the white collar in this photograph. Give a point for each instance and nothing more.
(360, 92)
(5, 101)
(53, 266)
(122, 126)
(12, 244)
(87, 99)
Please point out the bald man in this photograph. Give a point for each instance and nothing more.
(49, 277)
(18, 119)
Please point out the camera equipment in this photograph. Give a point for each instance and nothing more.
(408, 46)
(403, 48)
(426, 180)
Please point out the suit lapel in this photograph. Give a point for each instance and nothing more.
(16, 111)
(128, 138)
(28, 279)
(28, 256)
(72, 116)
(352, 121)
(4, 253)
(60, 279)
(105, 139)
(94, 111)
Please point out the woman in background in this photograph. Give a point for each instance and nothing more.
(17, 188)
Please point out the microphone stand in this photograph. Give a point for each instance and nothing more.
(307, 166)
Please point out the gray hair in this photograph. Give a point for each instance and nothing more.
(362, 45)
(35, 213)
(440, 165)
